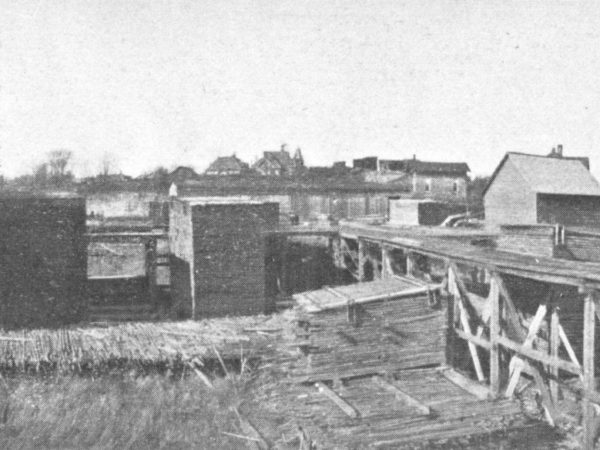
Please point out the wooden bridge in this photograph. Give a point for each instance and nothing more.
(515, 314)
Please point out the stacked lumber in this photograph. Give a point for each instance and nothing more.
(366, 413)
(584, 245)
(145, 344)
(537, 240)
(389, 325)
(42, 261)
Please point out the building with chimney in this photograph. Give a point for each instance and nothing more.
(427, 179)
(538, 189)
(227, 165)
(280, 163)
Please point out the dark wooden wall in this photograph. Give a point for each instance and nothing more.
(569, 210)
(229, 257)
(42, 261)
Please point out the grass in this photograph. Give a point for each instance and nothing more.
(120, 411)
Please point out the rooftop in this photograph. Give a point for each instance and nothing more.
(552, 175)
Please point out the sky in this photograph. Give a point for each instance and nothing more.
(161, 82)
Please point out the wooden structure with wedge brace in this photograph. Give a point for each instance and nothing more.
(513, 314)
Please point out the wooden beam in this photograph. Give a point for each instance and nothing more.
(346, 407)
(402, 396)
(527, 344)
(494, 299)
(479, 341)
(554, 346)
(549, 409)
(589, 384)
(361, 259)
(386, 264)
(458, 291)
(410, 264)
(466, 384)
(565, 341)
(539, 356)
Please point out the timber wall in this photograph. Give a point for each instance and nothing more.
(569, 210)
(42, 261)
(229, 257)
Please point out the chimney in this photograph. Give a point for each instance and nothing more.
(559, 151)
(414, 157)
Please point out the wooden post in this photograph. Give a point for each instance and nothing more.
(386, 267)
(361, 260)
(494, 298)
(410, 264)
(589, 385)
(554, 345)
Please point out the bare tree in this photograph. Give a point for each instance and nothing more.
(58, 161)
(108, 164)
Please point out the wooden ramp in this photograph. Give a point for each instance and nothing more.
(368, 328)
(414, 409)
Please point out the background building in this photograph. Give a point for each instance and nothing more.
(530, 189)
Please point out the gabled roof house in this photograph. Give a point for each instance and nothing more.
(531, 189)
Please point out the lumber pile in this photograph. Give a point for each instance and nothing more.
(584, 245)
(367, 328)
(537, 240)
(369, 413)
(137, 344)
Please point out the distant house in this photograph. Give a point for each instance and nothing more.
(427, 178)
(434, 179)
(279, 163)
(531, 189)
(227, 165)
(367, 163)
(181, 174)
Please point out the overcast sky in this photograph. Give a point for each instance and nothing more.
(182, 82)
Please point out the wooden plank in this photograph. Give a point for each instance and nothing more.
(494, 299)
(554, 347)
(468, 385)
(458, 291)
(362, 254)
(346, 407)
(589, 325)
(565, 341)
(538, 268)
(528, 343)
(402, 396)
(479, 341)
(344, 300)
(539, 356)
(386, 267)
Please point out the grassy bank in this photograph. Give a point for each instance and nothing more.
(120, 411)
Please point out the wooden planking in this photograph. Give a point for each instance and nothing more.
(478, 390)
(341, 296)
(456, 414)
(573, 273)
(346, 407)
(402, 396)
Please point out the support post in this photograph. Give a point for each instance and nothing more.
(361, 260)
(494, 298)
(554, 346)
(386, 266)
(410, 264)
(589, 385)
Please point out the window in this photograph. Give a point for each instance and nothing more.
(455, 187)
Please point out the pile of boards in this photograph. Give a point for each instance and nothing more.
(137, 344)
(368, 328)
